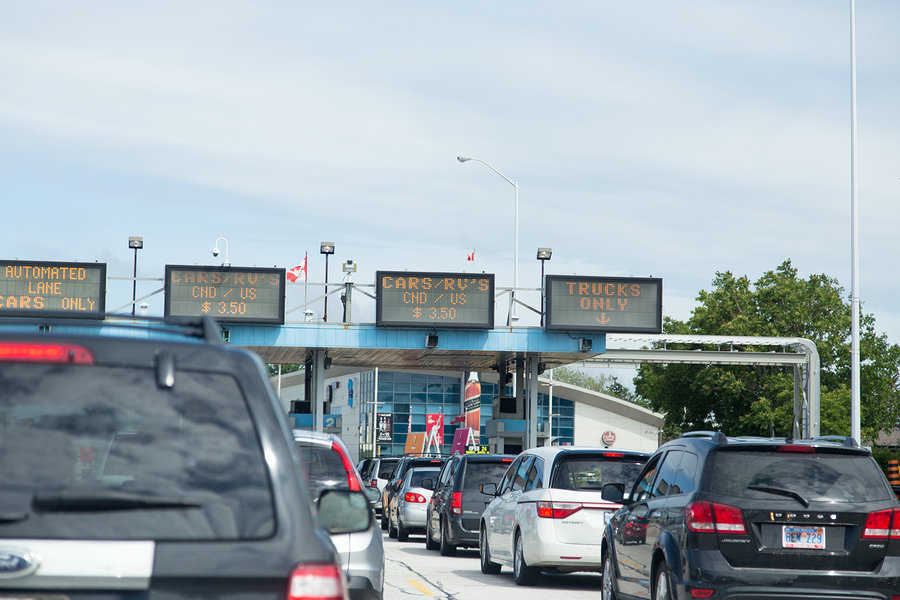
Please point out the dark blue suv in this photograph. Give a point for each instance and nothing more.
(721, 517)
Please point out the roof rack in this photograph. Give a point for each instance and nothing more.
(715, 436)
(843, 440)
(204, 328)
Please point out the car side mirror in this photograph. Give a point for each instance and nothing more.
(343, 511)
(488, 489)
(373, 494)
(613, 492)
(428, 484)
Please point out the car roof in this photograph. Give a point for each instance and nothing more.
(716, 440)
(551, 453)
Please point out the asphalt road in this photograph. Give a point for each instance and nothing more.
(411, 571)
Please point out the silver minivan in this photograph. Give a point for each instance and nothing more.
(328, 466)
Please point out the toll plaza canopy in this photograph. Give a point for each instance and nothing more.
(366, 345)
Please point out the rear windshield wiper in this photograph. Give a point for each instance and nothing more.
(80, 501)
(780, 492)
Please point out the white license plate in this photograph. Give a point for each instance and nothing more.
(812, 538)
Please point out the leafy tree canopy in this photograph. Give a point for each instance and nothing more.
(759, 400)
(607, 384)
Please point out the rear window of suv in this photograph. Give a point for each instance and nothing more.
(483, 472)
(103, 453)
(592, 472)
(815, 477)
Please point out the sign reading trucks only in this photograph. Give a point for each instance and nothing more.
(604, 304)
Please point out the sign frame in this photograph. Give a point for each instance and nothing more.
(230, 319)
(551, 325)
(380, 321)
(100, 299)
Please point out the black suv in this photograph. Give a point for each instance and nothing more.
(149, 459)
(454, 512)
(396, 478)
(720, 517)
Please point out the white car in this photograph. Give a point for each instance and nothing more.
(548, 510)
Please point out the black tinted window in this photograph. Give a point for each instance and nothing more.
(385, 468)
(482, 472)
(416, 476)
(324, 468)
(87, 445)
(667, 473)
(686, 476)
(816, 477)
(592, 471)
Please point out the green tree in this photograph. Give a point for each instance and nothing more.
(746, 400)
(607, 384)
(285, 369)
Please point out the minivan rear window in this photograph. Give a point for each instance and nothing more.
(815, 477)
(593, 471)
(101, 453)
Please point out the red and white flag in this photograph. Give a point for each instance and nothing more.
(298, 272)
(471, 257)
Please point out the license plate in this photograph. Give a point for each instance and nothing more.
(812, 538)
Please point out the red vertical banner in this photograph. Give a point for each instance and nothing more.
(472, 405)
(435, 421)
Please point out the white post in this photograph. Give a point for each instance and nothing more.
(854, 244)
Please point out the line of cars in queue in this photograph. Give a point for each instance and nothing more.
(704, 516)
(541, 510)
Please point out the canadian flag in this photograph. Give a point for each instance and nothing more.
(298, 272)
(471, 257)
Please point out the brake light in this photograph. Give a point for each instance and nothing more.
(797, 448)
(352, 477)
(882, 525)
(506, 460)
(373, 483)
(614, 454)
(316, 582)
(702, 593)
(707, 517)
(557, 510)
(456, 503)
(414, 498)
(45, 353)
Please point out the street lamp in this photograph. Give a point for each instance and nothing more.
(215, 250)
(543, 255)
(513, 313)
(326, 248)
(137, 243)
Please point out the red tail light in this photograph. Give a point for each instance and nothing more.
(707, 517)
(456, 503)
(46, 353)
(882, 525)
(414, 498)
(557, 510)
(316, 582)
(352, 477)
(373, 483)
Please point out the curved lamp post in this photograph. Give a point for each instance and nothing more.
(513, 312)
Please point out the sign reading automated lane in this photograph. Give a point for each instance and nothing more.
(604, 304)
(460, 300)
(52, 289)
(228, 294)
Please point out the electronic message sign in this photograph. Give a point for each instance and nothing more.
(604, 304)
(228, 294)
(52, 289)
(434, 300)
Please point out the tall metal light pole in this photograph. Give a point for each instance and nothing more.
(543, 255)
(513, 311)
(137, 243)
(855, 429)
(326, 248)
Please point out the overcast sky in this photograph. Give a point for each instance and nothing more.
(648, 138)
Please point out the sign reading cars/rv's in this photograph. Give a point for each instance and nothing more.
(409, 299)
(52, 289)
(228, 294)
(604, 304)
